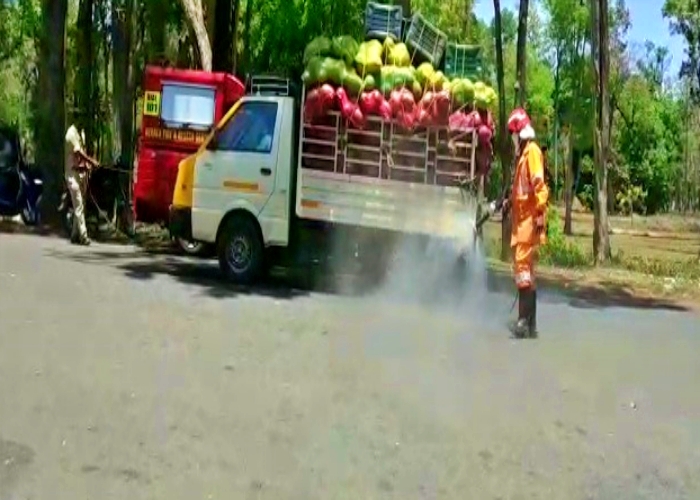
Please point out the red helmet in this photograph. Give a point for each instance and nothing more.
(517, 121)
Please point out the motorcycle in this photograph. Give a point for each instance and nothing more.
(20, 188)
(104, 199)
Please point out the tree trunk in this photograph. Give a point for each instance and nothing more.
(234, 35)
(600, 46)
(156, 12)
(51, 118)
(224, 28)
(247, 56)
(84, 78)
(521, 53)
(569, 183)
(195, 15)
(122, 80)
(209, 14)
(504, 147)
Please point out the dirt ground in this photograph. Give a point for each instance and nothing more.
(124, 375)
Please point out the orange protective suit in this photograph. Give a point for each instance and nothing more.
(529, 196)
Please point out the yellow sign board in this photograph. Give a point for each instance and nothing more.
(151, 103)
(166, 134)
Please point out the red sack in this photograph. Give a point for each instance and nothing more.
(485, 118)
(395, 103)
(327, 97)
(318, 102)
(460, 121)
(484, 136)
(407, 120)
(441, 108)
(385, 109)
(483, 159)
(350, 110)
(421, 116)
(371, 102)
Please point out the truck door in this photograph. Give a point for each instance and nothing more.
(238, 169)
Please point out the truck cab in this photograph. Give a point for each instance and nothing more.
(180, 108)
(265, 178)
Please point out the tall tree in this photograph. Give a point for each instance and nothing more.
(600, 52)
(123, 79)
(194, 11)
(50, 101)
(521, 54)
(84, 98)
(225, 28)
(504, 146)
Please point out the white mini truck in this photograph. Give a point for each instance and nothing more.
(267, 187)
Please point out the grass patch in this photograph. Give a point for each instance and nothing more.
(661, 257)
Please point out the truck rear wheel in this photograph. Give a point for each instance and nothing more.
(241, 251)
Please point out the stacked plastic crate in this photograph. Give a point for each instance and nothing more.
(463, 61)
(382, 21)
(425, 40)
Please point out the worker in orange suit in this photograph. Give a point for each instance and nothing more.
(528, 204)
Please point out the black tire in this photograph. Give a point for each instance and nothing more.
(241, 251)
(29, 216)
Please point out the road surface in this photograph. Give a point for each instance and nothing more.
(125, 375)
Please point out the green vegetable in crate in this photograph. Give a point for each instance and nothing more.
(462, 91)
(318, 47)
(424, 73)
(333, 70)
(352, 82)
(314, 72)
(370, 83)
(491, 96)
(388, 44)
(436, 81)
(395, 77)
(417, 90)
(369, 58)
(484, 96)
(345, 48)
(399, 55)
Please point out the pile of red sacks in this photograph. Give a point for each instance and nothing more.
(433, 109)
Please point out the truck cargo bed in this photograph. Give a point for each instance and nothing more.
(385, 177)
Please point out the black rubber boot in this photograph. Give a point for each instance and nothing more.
(521, 329)
(533, 314)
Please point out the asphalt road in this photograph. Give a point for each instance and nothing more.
(125, 375)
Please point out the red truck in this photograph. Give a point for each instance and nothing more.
(180, 107)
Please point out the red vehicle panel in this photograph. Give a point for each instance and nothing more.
(179, 109)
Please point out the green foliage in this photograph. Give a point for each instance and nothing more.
(687, 269)
(559, 251)
(631, 200)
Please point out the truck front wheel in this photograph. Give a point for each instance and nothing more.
(241, 251)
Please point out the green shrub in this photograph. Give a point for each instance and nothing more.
(559, 251)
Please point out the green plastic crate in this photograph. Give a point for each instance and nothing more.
(463, 61)
(426, 39)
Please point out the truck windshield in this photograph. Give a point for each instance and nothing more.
(188, 106)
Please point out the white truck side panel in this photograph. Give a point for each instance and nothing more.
(384, 204)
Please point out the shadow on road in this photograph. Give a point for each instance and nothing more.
(142, 264)
(586, 296)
